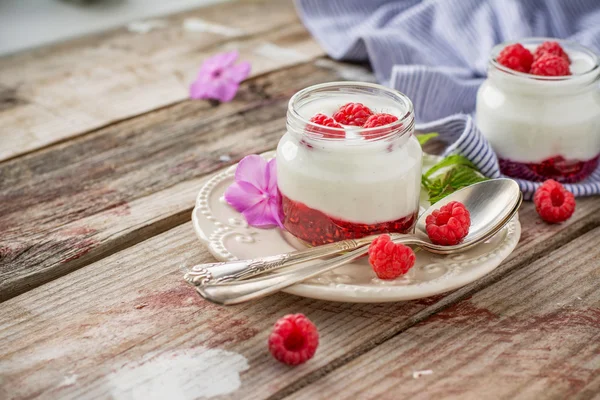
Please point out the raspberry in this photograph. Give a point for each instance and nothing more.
(294, 339)
(448, 225)
(352, 114)
(516, 57)
(553, 202)
(550, 65)
(378, 120)
(388, 259)
(550, 48)
(324, 120)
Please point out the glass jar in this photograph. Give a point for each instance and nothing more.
(543, 127)
(346, 183)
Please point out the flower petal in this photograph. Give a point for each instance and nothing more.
(237, 73)
(227, 59)
(200, 90)
(272, 188)
(260, 215)
(225, 91)
(221, 60)
(276, 211)
(253, 169)
(242, 195)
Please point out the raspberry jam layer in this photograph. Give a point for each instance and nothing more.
(557, 168)
(317, 228)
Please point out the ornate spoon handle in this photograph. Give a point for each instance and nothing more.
(239, 292)
(227, 271)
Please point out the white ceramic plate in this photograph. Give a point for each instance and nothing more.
(229, 237)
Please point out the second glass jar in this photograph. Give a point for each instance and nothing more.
(347, 183)
(543, 127)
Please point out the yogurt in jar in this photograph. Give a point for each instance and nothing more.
(543, 127)
(355, 185)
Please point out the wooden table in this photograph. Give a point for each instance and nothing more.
(101, 157)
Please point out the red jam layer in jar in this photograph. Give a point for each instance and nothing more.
(557, 168)
(317, 228)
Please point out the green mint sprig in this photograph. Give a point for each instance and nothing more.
(459, 172)
(425, 137)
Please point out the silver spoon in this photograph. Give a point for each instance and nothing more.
(227, 271)
(491, 205)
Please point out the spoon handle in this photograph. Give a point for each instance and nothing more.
(252, 289)
(227, 271)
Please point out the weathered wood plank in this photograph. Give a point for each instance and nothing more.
(533, 335)
(74, 337)
(54, 93)
(74, 202)
(77, 335)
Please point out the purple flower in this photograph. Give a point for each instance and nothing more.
(219, 77)
(254, 192)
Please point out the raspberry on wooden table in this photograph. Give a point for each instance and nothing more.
(388, 259)
(294, 339)
(553, 48)
(327, 122)
(448, 225)
(516, 57)
(352, 114)
(550, 65)
(553, 202)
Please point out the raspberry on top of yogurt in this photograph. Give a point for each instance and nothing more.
(548, 59)
(355, 114)
(326, 122)
(351, 115)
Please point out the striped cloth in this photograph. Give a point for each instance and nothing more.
(436, 52)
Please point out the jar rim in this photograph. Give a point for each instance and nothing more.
(397, 128)
(568, 44)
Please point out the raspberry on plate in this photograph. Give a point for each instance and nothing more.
(294, 339)
(516, 57)
(352, 114)
(325, 121)
(553, 202)
(550, 65)
(448, 225)
(388, 259)
(551, 48)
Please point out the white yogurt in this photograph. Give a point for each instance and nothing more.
(529, 119)
(352, 179)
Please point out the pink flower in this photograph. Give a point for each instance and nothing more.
(254, 192)
(219, 77)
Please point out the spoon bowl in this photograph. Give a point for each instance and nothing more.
(491, 205)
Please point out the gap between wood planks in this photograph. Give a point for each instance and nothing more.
(179, 194)
(562, 239)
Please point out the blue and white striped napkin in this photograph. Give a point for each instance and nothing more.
(436, 52)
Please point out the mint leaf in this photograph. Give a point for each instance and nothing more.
(426, 137)
(461, 173)
(454, 159)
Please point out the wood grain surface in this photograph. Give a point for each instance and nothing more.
(533, 335)
(71, 203)
(102, 319)
(101, 160)
(60, 91)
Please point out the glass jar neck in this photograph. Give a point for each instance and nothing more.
(304, 104)
(584, 78)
